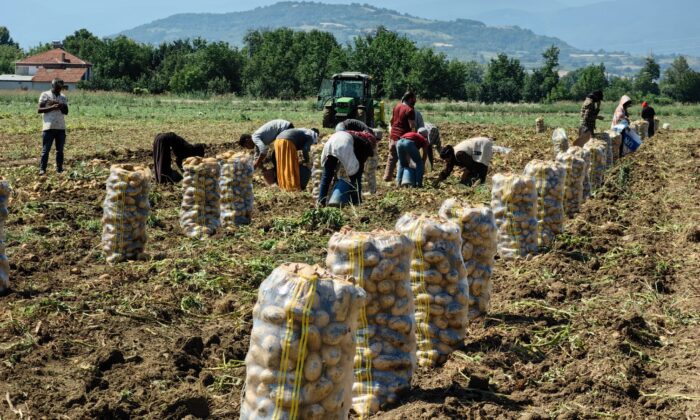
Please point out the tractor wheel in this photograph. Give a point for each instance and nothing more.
(362, 114)
(328, 117)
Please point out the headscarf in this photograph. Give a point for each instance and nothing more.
(645, 104)
(620, 113)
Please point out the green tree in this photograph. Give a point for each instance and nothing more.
(588, 79)
(84, 44)
(6, 39)
(680, 82)
(503, 81)
(617, 87)
(540, 84)
(646, 80)
(8, 55)
(430, 75)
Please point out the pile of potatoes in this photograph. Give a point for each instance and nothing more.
(200, 212)
(550, 178)
(609, 155)
(440, 286)
(514, 204)
(125, 212)
(573, 187)
(479, 239)
(236, 186)
(585, 155)
(560, 141)
(380, 261)
(302, 346)
(539, 126)
(599, 154)
(5, 191)
(616, 140)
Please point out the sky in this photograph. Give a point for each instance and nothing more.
(34, 22)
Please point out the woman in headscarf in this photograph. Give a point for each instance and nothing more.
(163, 145)
(621, 113)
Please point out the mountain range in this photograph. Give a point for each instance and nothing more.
(464, 39)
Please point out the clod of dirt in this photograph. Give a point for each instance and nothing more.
(207, 379)
(105, 361)
(189, 406)
(77, 399)
(637, 330)
(194, 346)
(476, 382)
(694, 235)
(213, 340)
(187, 358)
(225, 305)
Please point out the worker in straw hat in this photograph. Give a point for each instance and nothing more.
(53, 106)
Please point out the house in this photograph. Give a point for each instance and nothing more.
(37, 71)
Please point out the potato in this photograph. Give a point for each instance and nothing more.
(200, 212)
(274, 315)
(313, 367)
(331, 355)
(314, 392)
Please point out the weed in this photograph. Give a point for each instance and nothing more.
(327, 217)
(191, 303)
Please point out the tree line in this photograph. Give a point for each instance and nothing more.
(289, 64)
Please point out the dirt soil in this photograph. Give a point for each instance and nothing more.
(603, 325)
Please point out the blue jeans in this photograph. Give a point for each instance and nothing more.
(47, 139)
(329, 170)
(407, 151)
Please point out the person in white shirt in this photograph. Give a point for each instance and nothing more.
(349, 150)
(54, 107)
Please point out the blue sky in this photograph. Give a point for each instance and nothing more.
(32, 22)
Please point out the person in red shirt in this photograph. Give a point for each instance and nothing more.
(403, 120)
(407, 149)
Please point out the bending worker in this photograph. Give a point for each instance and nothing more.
(351, 150)
(287, 147)
(163, 145)
(474, 155)
(408, 150)
(353, 125)
(263, 138)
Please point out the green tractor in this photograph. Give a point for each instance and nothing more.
(350, 95)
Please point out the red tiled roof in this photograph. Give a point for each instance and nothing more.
(71, 75)
(52, 57)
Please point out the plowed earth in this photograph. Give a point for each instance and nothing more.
(605, 324)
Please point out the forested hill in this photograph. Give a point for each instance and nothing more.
(464, 39)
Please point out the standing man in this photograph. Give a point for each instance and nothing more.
(649, 115)
(589, 116)
(53, 106)
(403, 121)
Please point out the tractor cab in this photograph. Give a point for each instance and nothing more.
(349, 95)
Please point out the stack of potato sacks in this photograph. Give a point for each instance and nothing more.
(616, 140)
(316, 168)
(539, 126)
(609, 154)
(573, 187)
(642, 128)
(599, 160)
(440, 286)
(125, 212)
(514, 204)
(550, 178)
(585, 155)
(479, 238)
(200, 212)
(236, 187)
(560, 142)
(302, 346)
(380, 262)
(5, 191)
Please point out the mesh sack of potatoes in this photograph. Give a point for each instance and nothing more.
(440, 286)
(236, 188)
(560, 141)
(550, 178)
(609, 155)
(316, 168)
(616, 140)
(596, 172)
(479, 239)
(125, 212)
(380, 261)
(573, 185)
(641, 127)
(369, 177)
(539, 126)
(514, 204)
(302, 346)
(586, 156)
(5, 191)
(200, 212)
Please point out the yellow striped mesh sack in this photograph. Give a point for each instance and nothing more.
(236, 187)
(550, 177)
(200, 212)
(125, 212)
(440, 286)
(385, 358)
(514, 204)
(609, 154)
(5, 192)
(596, 171)
(573, 186)
(302, 346)
(479, 239)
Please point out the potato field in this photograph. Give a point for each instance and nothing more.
(606, 323)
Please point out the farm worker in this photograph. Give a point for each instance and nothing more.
(589, 115)
(474, 155)
(649, 115)
(262, 138)
(353, 125)
(403, 120)
(408, 149)
(53, 105)
(288, 144)
(621, 112)
(163, 145)
(351, 149)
